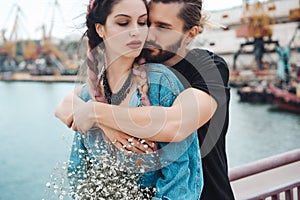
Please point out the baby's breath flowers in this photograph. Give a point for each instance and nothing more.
(104, 173)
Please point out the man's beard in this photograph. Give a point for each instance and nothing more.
(160, 55)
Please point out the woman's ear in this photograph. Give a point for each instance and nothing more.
(99, 29)
(192, 33)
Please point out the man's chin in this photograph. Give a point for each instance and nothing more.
(154, 55)
(153, 51)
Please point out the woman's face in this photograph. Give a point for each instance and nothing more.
(125, 30)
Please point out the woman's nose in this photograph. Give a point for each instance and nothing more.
(135, 31)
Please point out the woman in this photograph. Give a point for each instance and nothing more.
(116, 31)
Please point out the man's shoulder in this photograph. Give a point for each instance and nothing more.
(201, 55)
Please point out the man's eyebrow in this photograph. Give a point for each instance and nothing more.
(163, 24)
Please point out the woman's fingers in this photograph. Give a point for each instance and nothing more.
(150, 144)
(120, 146)
(135, 145)
(142, 145)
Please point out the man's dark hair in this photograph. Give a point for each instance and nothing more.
(190, 12)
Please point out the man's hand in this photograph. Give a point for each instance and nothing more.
(84, 115)
(64, 110)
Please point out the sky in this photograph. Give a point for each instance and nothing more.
(66, 18)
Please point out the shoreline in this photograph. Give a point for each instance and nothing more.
(27, 77)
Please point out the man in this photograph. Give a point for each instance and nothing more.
(174, 24)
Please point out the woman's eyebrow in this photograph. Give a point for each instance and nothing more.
(143, 15)
(124, 15)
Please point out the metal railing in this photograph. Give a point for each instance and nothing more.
(289, 191)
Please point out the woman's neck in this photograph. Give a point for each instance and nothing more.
(117, 72)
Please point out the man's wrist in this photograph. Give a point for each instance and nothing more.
(93, 114)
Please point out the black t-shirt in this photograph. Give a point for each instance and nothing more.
(208, 72)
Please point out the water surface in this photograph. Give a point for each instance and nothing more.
(33, 140)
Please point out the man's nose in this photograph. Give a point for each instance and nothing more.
(151, 34)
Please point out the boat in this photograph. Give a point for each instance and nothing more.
(285, 99)
(257, 93)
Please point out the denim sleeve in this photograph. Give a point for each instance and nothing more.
(180, 161)
(77, 161)
(77, 164)
(181, 170)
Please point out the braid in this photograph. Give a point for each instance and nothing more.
(141, 79)
(94, 76)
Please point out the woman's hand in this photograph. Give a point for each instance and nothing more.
(127, 143)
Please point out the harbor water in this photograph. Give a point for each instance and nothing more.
(33, 140)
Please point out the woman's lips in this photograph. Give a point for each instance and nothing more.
(135, 44)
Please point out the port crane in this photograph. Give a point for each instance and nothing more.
(8, 52)
(16, 50)
(54, 56)
(44, 56)
(256, 28)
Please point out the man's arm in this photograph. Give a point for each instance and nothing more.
(191, 109)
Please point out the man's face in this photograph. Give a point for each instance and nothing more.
(166, 32)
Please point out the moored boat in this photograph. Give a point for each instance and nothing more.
(255, 94)
(285, 99)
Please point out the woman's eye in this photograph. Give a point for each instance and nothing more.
(122, 23)
(142, 23)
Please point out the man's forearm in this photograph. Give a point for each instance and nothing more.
(142, 122)
(165, 124)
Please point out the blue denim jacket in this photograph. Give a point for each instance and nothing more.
(180, 173)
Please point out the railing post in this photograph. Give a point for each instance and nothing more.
(289, 194)
(275, 197)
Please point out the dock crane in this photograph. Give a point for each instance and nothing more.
(11, 45)
(294, 14)
(256, 28)
(53, 56)
(8, 56)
